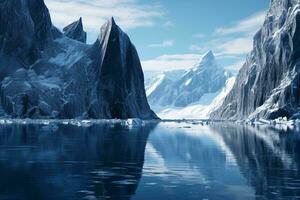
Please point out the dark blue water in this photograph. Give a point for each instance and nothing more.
(156, 161)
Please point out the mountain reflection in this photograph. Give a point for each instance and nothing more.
(268, 158)
(222, 161)
(68, 162)
(184, 161)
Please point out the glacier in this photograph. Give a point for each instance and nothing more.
(200, 110)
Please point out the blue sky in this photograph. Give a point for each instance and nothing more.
(172, 34)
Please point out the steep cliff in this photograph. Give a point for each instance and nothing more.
(268, 85)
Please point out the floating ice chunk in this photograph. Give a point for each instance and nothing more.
(134, 123)
(65, 122)
(86, 123)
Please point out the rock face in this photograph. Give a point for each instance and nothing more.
(75, 31)
(45, 74)
(268, 85)
(119, 90)
(206, 77)
(25, 30)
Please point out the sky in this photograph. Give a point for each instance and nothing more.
(172, 34)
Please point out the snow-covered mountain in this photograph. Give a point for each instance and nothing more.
(268, 85)
(202, 109)
(152, 76)
(206, 78)
(47, 74)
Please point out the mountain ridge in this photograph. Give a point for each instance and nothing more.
(64, 77)
(205, 77)
(75, 31)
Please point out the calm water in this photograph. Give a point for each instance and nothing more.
(158, 161)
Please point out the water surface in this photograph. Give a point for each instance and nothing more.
(156, 161)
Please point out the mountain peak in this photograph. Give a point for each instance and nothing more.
(112, 21)
(79, 23)
(208, 61)
(75, 31)
(110, 24)
(209, 56)
(75, 24)
(106, 29)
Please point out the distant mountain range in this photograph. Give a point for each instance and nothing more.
(46, 73)
(172, 94)
(190, 86)
(200, 110)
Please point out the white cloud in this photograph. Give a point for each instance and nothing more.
(226, 47)
(128, 13)
(184, 61)
(248, 25)
(235, 40)
(237, 46)
(171, 62)
(166, 43)
(169, 24)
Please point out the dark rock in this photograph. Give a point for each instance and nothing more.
(45, 74)
(75, 31)
(120, 81)
(26, 28)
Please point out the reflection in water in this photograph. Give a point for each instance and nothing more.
(189, 162)
(68, 162)
(269, 159)
(168, 161)
(221, 162)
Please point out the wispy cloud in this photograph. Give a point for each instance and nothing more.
(168, 24)
(128, 13)
(185, 61)
(234, 40)
(166, 43)
(198, 48)
(237, 46)
(238, 38)
(171, 62)
(248, 25)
